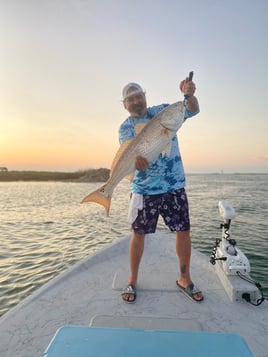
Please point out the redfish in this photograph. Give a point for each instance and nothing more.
(151, 140)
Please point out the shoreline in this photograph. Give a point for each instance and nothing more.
(90, 175)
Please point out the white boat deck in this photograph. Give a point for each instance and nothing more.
(90, 294)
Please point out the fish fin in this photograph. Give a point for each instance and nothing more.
(100, 196)
(167, 150)
(119, 153)
(138, 127)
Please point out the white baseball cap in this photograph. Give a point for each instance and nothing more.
(130, 89)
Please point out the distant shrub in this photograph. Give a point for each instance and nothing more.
(91, 175)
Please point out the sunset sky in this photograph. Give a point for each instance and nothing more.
(63, 64)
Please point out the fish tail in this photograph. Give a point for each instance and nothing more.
(101, 196)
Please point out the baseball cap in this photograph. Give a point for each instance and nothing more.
(130, 89)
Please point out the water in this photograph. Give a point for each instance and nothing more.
(44, 229)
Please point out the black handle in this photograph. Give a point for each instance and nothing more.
(190, 78)
(191, 74)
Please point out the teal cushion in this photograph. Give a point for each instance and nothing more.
(83, 341)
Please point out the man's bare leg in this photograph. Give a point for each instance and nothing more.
(136, 247)
(183, 249)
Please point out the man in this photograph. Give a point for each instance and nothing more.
(161, 184)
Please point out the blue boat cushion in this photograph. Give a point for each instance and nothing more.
(84, 341)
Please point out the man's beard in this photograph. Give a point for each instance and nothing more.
(137, 110)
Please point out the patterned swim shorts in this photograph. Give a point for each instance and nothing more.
(172, 206)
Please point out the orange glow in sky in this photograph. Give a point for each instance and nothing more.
(63, 66)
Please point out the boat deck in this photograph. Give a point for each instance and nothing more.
(89, 294)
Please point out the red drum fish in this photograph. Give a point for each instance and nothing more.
(152, 139)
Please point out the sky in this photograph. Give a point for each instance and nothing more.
(63, 64)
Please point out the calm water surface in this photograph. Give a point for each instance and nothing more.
(44, 229)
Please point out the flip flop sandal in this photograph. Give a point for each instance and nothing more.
(129, 290)
(190, 291)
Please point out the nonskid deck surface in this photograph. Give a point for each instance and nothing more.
(90, 293)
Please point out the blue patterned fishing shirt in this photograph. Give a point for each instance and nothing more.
(164, 174)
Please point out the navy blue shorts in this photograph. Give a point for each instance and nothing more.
(172, 206)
